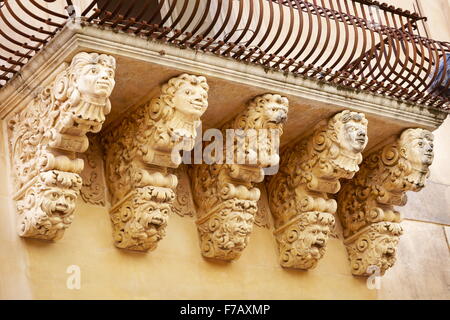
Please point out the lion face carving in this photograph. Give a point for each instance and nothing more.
(275, 110)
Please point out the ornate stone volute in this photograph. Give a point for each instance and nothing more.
(138, 154)
(225, 192)
(299, 193)
(46, 136)
(366, 203)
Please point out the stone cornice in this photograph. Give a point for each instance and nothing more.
(74, 38)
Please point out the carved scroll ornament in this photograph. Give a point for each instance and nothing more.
(225, 193)
(45, 137)
(138, 154)
(366, 203)
(298, 194)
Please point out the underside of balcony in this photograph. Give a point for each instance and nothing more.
(143, 65)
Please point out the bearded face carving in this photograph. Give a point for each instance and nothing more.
(140, 222)
(59, 202)
(150, 222)
(239, 225)
(303, 243)
(366, 204)
(225, 233)
(376, 246)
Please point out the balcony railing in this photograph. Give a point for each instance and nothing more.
(357, 44)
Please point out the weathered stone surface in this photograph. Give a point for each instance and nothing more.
(138, 154)
(299, 193)
(422, 270)
(47, 135)
(371, 225)
(225, 193)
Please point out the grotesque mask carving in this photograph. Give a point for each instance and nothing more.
(138, 154)
(366, 203)
(140, 222)
(309, 171)
(225, 233)
(47, 208)
(375, 246)
(302, 244)
(47, 135)
(224, 193)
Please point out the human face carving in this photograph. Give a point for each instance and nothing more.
(59, 202)
(191, 100)
(420, 151)
(355, 136)
(95, 80)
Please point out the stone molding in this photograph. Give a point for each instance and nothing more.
(371, 225)
(225, 194)
(45, 138)
(138, 155)
(309, 171)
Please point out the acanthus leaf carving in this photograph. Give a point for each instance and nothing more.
(309, 171)
(225, 194)
(93, 190)
(46, 136)
(139, 153)
(366, 204)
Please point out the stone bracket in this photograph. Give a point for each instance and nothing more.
(225, 194)
(366, 203)
(45, 138)
(299, 194)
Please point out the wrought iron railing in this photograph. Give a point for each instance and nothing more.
(358, 44)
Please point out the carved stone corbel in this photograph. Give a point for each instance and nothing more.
(47, 135)
(298, 194)
(138, 154)
(366, 203)
(225, 192)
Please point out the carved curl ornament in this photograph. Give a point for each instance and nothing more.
(366, 203)
(45, 137)
(138, 153)
(225, 193)
(310, 170)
